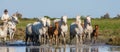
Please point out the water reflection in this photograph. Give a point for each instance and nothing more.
(84, 49)
(94, 49)
(12, 49)
(114, 49)
(61, 49)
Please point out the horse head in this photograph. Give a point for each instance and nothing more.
(56, 28)
(14, 19)
(48, 22)
(78, 19)
(64, 19)
(56, 24)
(43, 21)
(96, 27)
(88, 20)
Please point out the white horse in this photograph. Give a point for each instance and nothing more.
(63, 26)
(39, 29)
(44, 31)
(3, 31)
(12, 26)
(88, 27)
(76, 30)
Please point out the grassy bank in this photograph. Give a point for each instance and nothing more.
(107, 27)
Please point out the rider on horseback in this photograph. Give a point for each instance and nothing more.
(5, 17)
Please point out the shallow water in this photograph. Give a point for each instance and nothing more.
(66, 48)
(19, 46)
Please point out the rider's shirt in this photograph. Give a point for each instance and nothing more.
(5, 17)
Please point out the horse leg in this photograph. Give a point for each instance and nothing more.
(53, 39)
(56, 39)
(44, 39)
(40, 39)
(63, 36)
(31, 38)
(83, 37)
(77, 40)
(34, 38)
(95, 39)
(12, 36)
(72, 37)
(48, 38)
(89, 36)
(26, 39)
(80, 39)
(5, 39)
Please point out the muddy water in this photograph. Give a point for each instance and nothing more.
(61, 49)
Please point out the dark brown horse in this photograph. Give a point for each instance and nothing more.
(94, 34)
(50, 33)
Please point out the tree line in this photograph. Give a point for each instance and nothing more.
(105, 16)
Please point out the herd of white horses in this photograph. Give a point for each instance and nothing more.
(42, 29)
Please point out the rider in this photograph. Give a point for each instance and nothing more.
(5, 17)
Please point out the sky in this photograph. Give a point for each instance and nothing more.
(58, 8)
